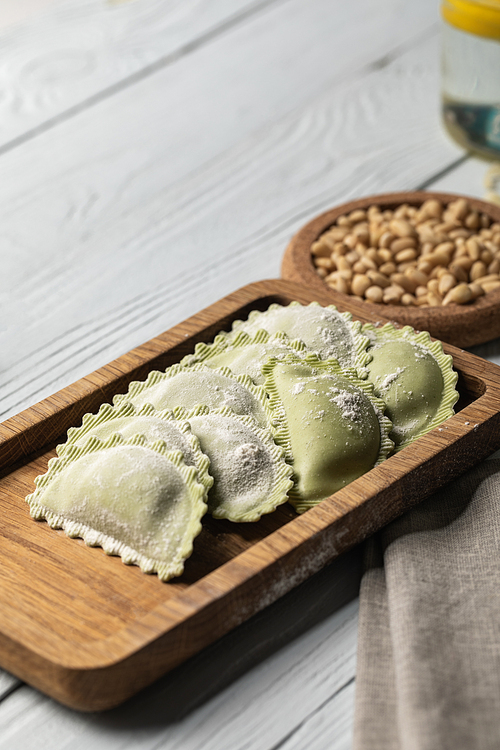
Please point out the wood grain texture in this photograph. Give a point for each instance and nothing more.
(154, 256)
(195, 708)
(91, 632)
(107, 247)
(460, 325)
(80, 52)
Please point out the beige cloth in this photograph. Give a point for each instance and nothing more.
(428, 675)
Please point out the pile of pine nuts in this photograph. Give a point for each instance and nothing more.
(426, 256)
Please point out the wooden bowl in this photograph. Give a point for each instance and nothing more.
(460, 325)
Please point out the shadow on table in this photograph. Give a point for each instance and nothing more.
(199, 679)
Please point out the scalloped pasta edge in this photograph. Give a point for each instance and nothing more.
(282, 435)
(108, 413)
(110, 545)
(445, 363)
(282, 482)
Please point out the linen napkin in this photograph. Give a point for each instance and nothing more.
(428, 675)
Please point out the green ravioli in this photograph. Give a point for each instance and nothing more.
(129, 420)
(325, 331)
(245, 354)
(132, 498)
(330, 423)
(191, 386)
(414, 377)
(251, 476)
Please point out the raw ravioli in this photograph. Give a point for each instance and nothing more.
(414, 377)
(329, 422)
(245, 354)
(251, 476)
(132, 498)
(325, 331)
(190, 386)
(129, 420)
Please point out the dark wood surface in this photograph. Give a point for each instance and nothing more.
(90, 631)
(460, 325)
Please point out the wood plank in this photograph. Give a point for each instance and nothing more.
(8, 683)
(16, 11)
(241, 704)
(90, 632)
(232, 219)
(328, 726)
(78, 52)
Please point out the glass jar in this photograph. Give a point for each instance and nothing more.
(471, 74)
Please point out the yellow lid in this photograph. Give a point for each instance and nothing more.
(480, 17)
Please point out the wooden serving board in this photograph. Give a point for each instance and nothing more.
(90, 631)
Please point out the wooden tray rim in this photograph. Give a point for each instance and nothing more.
(269, 553)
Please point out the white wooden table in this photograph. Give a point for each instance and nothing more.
(155, 156)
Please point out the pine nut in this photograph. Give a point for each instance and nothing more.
(363, 235)
(428, 256)
(472, 221)
(402, 267)
(353, 256)
(360, 284)
(439, 271)
(459, 272)
(325, 263)
(391, 296)
(357, 215)
(456, 234)
(434, 300)
(459, 208)
(464, 262)
(425, 266)
(345, 274)
(385, 255)
(343, 263)
(486, 279)
(446, 282)
(386, 239)
(340, 285)
(459, 295)
(408, 300)
(401, 228)
(494, 266)
(427, 247)
(337, 233)
(432, 208)
(405, 255)
(477, 291)
(387, 268)
(489, 286)
(340, 249)
(418, 277)
(403, 243)
(379, 279)
(320, 249)
(374, 294)
(359, 267)
(373, 255)
(433, 286)
(369, 263)
(446, 248)
(440, 257)
(478, 269)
